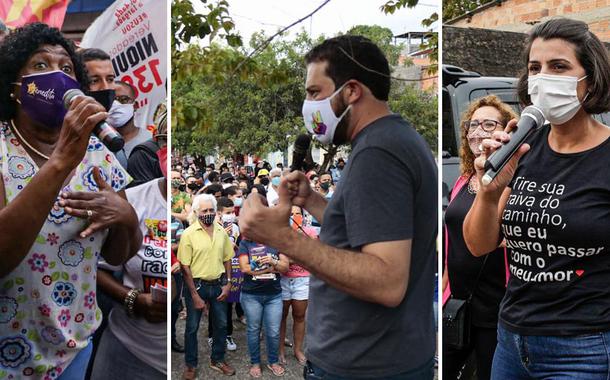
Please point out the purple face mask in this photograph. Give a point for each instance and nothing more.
(42, 96)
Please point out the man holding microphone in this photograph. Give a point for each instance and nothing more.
(370, 312)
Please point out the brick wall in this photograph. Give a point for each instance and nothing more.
(520, 15)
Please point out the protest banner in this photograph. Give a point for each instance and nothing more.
(134, 34)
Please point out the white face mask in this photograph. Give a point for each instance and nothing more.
(320, 119)
(119, 114)
(228, 218)
(555, 95)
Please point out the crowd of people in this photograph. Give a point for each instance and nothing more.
(77, 220)
(263, 286)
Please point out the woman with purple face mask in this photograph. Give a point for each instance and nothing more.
(481, 119)
(61, 206)
(551, 205)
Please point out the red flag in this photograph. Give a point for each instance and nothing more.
(17, 13)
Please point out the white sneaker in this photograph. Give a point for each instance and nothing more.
(231, 346)
(210, 341)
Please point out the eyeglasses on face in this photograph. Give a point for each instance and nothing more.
(488, 125)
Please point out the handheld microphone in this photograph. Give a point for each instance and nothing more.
(108, 135)
(301, 146)
(531, 119)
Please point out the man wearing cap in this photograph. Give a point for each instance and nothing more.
(262, 177)
(226, 180)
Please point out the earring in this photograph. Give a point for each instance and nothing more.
(12, 95)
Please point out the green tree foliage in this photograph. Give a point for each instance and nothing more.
(456, 8)
(217, 111)
(419, 107)
(382, 37)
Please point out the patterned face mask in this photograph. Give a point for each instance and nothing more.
(475, 138)
(42, 96)
(320, 119)
(207, 219)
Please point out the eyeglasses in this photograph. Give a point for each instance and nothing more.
(487, 125)
(124, 99)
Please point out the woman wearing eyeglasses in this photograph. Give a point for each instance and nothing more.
(551, 205)
(481, 278)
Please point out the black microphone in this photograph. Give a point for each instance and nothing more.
(531, 119)
(301, 146)
(108, 135)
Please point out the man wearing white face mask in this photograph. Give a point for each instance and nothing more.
(375, 241)
(121, 117)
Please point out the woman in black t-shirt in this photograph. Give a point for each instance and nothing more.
(481, 119)
(553, 210)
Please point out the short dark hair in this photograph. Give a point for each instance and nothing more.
(224, 202)
(328, 174)
(354, 57)
(93, 54)
(131, 88)
(213, 176)
(18, 47)
(590, 52)
(213, 189)
(231, 190)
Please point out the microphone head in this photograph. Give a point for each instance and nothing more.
(115, 143)
(535, 113)
(303, 140)
(301, 144)
(70, 95)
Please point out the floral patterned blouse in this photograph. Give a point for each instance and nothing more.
(48, 308)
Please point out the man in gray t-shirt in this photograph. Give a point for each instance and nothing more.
(370, 305)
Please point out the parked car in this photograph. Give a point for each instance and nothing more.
(460, 88)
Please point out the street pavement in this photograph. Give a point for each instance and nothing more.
(239, 359)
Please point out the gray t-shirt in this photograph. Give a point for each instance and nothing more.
(388, 192)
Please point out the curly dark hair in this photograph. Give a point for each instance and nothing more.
(18, 47)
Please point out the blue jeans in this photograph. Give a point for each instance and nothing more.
(77, 369)
(193, 317)
(424, 372)
(268, 310)
(582, 357)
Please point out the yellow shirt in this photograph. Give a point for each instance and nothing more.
(205, 256)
